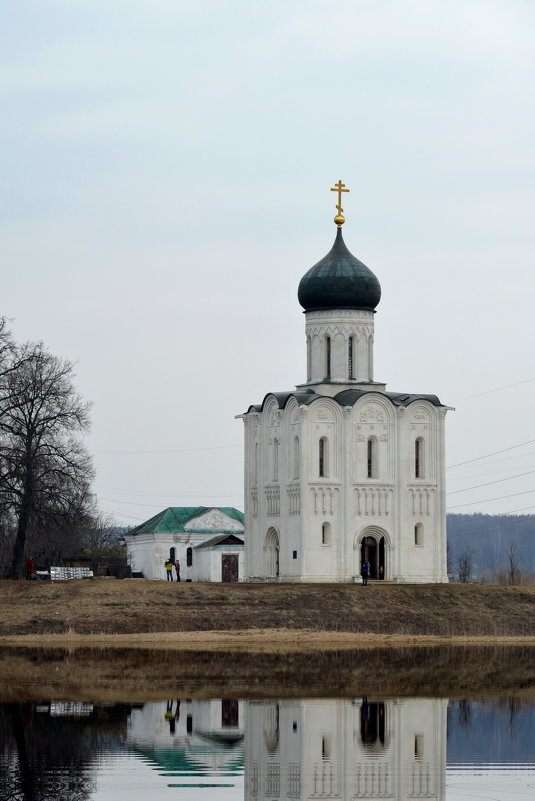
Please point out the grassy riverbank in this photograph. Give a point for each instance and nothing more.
(134, 607)
(140, 674)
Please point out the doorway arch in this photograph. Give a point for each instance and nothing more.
(371, 547)
(271, 554)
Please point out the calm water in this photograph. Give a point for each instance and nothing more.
(270, 750)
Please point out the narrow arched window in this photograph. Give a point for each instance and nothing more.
(275, 471)
(296, 457)
(371, 458)
(326, 534)
(328, 358)
(256, 463)
(189, 557)
(309, 358)
(350, 359)
(323, 457)
(419, 458)
(418, 534)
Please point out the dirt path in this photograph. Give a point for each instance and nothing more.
(254, 640)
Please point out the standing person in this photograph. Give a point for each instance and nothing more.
(365, 572)
(177, 568)
(169, 568)
(29, 568)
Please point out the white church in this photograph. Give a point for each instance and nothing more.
(340, 472)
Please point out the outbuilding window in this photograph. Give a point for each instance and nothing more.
(189, 557)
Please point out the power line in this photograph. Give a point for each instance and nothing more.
(484, 475)
(489, 500)
(488, 483)
(123, 514)
(515, 511)
(496, 389)
(494, 453)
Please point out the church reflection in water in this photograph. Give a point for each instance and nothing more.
(304, 749)
(193, 736)
(364, 748)
(341, 749)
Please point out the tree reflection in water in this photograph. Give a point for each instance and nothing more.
(46, 757)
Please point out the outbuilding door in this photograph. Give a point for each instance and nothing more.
(229, 567)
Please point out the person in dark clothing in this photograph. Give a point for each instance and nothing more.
(177, 568)
(365, 572)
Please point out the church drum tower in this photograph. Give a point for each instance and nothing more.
(339, 471)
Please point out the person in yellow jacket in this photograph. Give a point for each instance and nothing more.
(169, 567)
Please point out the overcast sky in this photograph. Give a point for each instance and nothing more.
(166, 168)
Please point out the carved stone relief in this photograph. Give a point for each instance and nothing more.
(372, 414)
(214, 519)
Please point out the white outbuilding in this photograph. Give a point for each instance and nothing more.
(207, 541)
(339, 472)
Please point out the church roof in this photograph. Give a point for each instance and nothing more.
(339, 281)
(347, 397)
(175, 518)
(221, 540)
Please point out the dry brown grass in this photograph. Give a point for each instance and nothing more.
(137, 606)
(138, 675)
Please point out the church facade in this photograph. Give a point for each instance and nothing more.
(339, 472)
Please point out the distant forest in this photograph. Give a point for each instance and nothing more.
(490, 539)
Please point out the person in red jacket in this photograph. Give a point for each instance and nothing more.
(30, 568)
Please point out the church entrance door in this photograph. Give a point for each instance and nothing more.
(271, 551)
(373, 552)
(229, 567)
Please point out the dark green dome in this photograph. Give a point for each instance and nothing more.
(339, 281)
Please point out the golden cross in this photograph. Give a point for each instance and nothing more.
(339, 187)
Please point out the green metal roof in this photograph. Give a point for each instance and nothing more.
(174, 519)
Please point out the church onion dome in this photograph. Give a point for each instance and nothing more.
(339, 281)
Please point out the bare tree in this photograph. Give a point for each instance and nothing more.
(513, 571)
(449, 559)
(465, 564)
(102, 541)
(45, 470)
